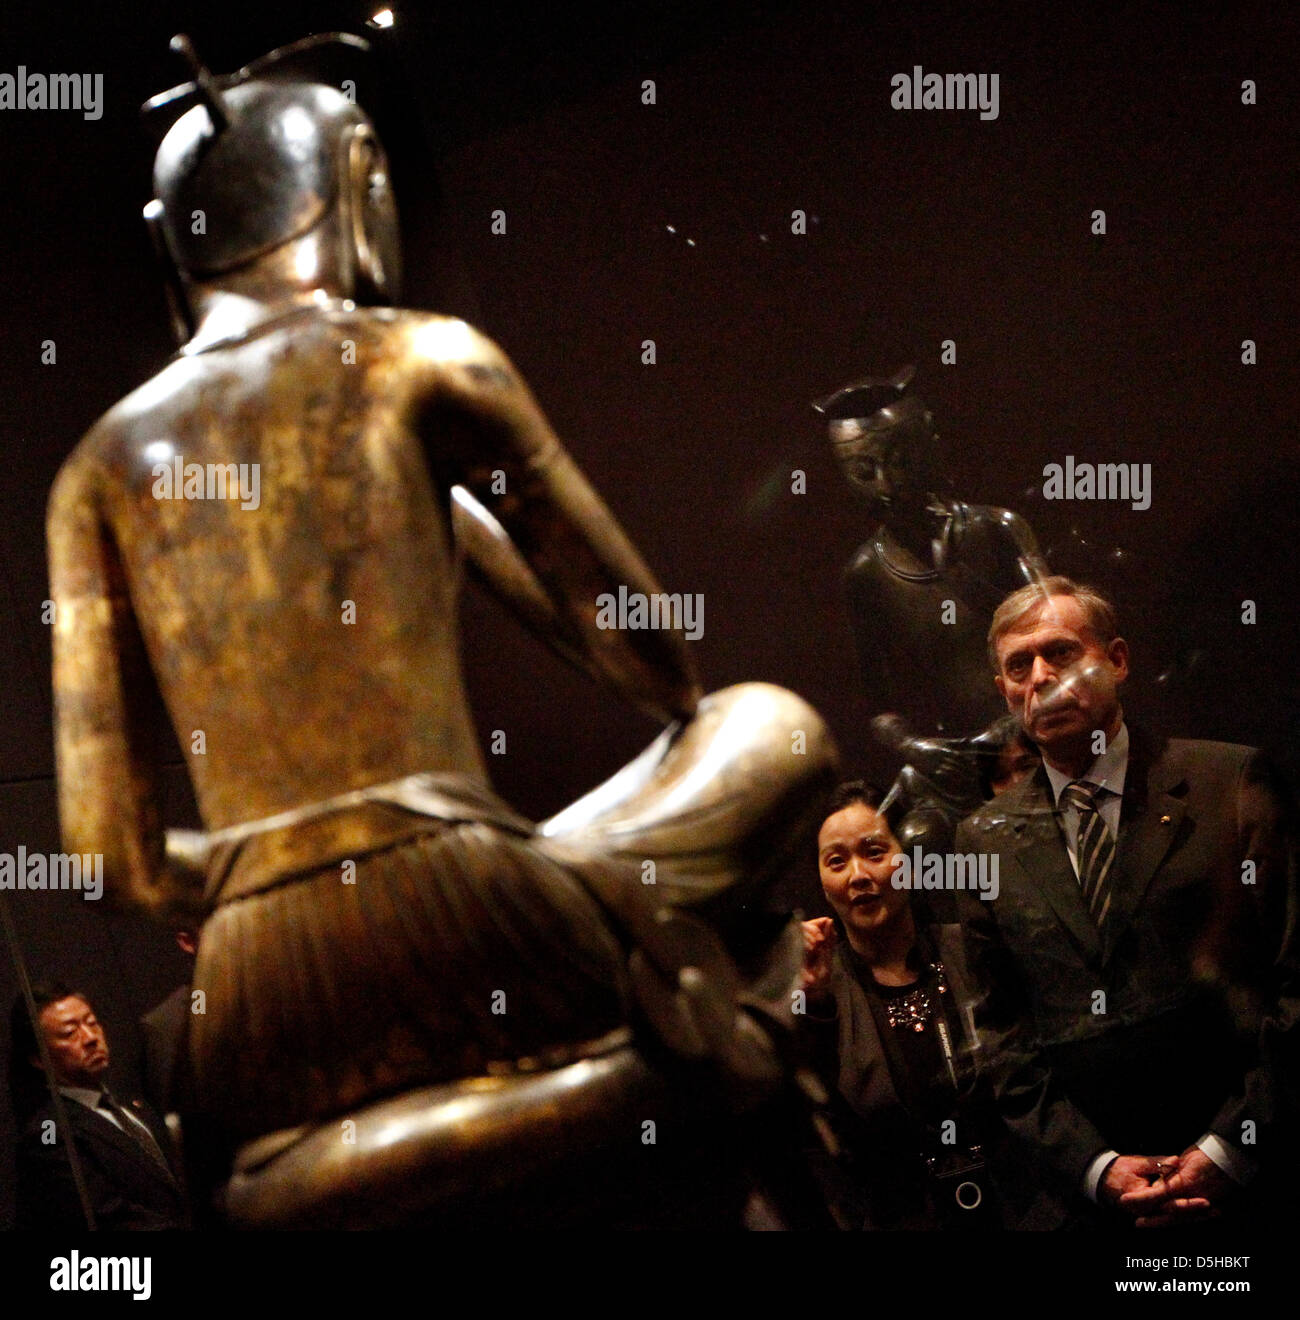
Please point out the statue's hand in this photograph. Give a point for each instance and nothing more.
(949, 764)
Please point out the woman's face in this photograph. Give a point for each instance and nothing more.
(855, 857)
(1015, 762)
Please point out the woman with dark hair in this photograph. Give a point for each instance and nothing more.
(1011, 756)
(890, 1005)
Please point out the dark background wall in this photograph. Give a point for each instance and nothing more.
(922, 226)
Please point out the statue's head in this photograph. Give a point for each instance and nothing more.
(884, 439)
(273, 170)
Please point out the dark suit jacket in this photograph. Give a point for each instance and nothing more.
(164, 1030)
(128, 1188)
(1143, 1038)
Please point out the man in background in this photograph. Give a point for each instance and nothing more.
(123, 1148)
(163, 1027)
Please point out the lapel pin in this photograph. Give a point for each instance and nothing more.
(1164, 820)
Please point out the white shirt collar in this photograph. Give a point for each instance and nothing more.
(1107, 771)
(83, 1095)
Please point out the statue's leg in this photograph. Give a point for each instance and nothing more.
(715, 804)
(485, 1152)
(719, 804)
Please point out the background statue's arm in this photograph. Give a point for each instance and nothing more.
(565, 549)
(871, 641)
(1030, 564)
(108, 789)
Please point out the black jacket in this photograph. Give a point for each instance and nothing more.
(1161, 1028)
(881, 1183)
(128, 1188)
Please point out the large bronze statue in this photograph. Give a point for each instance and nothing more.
(921, 593)
(412, 998)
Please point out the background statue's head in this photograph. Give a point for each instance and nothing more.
(276, 180)
(884, 439)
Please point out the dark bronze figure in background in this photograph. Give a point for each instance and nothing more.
(272, 529)
(923, 588)
(921, 593)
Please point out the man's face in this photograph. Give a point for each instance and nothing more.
(855, 858)
(1057, 678)
(76, 1042)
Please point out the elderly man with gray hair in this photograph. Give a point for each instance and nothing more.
(1139, 964)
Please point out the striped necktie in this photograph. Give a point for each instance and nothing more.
(134, 1128)
(1094, 849)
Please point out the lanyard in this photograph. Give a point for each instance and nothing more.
(945, 1044)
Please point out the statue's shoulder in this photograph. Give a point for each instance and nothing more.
(111, 452)
(78, 475)
(865, 562)
(446, 350)
(443, 341)
(162, 395)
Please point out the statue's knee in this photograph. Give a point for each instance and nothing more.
(771, 732)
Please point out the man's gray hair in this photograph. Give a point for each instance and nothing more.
(1097, 609)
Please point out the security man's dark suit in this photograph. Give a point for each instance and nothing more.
(129, 1188)
(1180, 1017)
